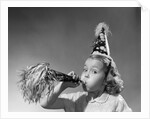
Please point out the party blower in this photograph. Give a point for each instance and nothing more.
(38, 80)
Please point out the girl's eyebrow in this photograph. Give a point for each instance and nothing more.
(95, 67)
(99, 68)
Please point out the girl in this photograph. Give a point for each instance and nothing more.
(101, 83)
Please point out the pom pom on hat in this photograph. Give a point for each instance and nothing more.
(102, 27)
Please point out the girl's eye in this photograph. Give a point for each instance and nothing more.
(85, 70)
(94, 72)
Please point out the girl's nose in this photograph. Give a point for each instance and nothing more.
(87, 74)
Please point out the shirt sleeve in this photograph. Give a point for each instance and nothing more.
(122, 105)
(69, 101)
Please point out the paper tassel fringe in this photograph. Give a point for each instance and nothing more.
(36, 79)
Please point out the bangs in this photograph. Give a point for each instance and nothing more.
(101, 58)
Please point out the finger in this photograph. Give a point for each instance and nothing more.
(74, 77)
(71, 73)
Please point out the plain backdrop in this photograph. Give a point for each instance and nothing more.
(63, 37)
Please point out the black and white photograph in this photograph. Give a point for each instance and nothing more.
(80, 42)
(74, 59)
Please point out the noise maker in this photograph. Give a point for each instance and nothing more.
(35, 80)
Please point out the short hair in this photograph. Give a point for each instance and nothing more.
(113, 81)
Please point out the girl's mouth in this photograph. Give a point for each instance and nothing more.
(82, 82)
(84, 87)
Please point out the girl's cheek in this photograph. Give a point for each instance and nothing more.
(94, 81)
(82, 77)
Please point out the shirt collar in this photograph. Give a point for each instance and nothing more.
(101, 99)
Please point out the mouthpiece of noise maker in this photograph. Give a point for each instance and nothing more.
(36, 79)
(59, 76)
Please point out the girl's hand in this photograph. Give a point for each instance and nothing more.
(72, 84)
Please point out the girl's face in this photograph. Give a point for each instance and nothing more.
(93, 75)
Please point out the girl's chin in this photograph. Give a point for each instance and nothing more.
(87, 89)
